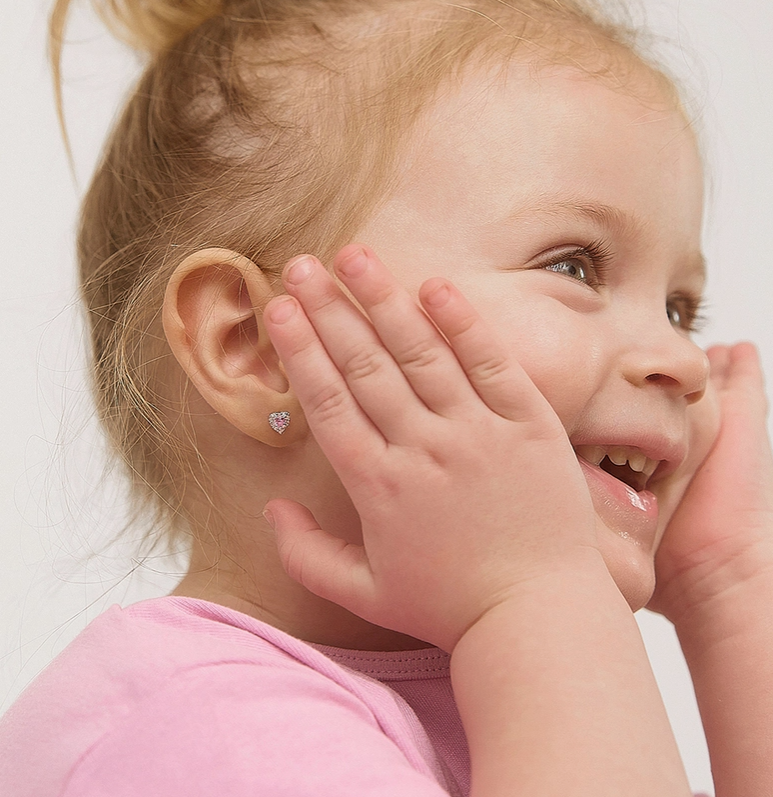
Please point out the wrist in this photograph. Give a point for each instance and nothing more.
(719, 614)
(709, 592)
(555, 681)
(552, 586)
(727, 641)
(552, 608)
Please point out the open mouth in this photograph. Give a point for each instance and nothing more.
(625, 463)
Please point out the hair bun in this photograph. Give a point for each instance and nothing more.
(155, 25)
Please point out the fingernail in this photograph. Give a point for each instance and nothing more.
(354, 263)
(281, 309)
(439, 296)
(269, 518)
(299, 269)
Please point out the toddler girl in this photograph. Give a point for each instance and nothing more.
(426, 488)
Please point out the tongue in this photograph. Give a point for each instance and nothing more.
(623, 510)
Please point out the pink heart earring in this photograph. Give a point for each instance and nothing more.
(279, 421)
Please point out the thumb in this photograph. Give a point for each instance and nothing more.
(324, 564)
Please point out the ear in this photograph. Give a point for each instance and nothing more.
(213, 321)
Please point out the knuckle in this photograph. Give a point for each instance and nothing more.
(419, 356)
(300, 565)
(492, 369)
(385, 488)
(362, 363)
(322, 300)
(464, 325)
(291, 555)
(381, 294)
(287, 553)
(302, 347)
(328, 403)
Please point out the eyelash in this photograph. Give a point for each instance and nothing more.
(690, 308)
(596, 253)
(692, 316)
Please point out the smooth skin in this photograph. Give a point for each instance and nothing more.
(440, 431)
(440, 498)
(513, 176)
(715, 580)
(516, 589)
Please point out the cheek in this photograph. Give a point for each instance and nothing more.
(560, 351)
(703, 419)
(702, 428)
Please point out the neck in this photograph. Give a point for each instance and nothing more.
(234, 558)
(242, 571)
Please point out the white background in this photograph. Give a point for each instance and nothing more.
(58, 507)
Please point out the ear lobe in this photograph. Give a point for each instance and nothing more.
(213, 321)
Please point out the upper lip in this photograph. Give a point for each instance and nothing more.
(670, 452)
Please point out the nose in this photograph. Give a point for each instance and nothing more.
(669, 360)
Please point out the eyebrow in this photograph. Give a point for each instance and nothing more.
(604, 215)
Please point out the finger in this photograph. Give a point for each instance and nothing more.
(744, 373)
(493, 372)
(719, 359)
(353, 345)
(414, 342)
(326, 565)
(344, 432)
(744, 363)
(737, 368)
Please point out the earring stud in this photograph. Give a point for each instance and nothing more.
(279, 421)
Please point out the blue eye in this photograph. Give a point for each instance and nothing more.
(570, 267)
(684, 312)
(674, 315)
(587, 264)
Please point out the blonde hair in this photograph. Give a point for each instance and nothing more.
(269, 127)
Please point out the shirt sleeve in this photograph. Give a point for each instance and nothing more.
(236, 729)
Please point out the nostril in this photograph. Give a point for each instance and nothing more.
(695, 396)
(662, 379)
(668, 381)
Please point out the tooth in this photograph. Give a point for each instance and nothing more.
(592, 454)
(597, 453)
(651, 467)
(618, 455)
(637, 461)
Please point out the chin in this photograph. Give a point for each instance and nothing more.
(634, 573)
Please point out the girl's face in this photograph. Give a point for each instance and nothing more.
(570, 215)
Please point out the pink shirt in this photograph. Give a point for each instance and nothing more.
(176, 697)
(179, 697)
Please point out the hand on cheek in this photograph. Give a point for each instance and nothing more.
(462, 474)
(721, 534)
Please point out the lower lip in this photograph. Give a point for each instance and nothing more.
(630, 514)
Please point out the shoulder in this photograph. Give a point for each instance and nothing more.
(177, 696)
(235, 729)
